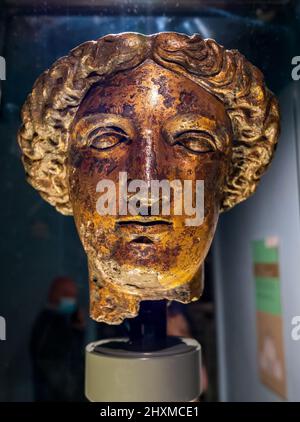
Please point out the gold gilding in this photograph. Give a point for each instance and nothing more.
(139, 96)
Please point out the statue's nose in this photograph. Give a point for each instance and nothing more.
(143, 161)
(151, 203)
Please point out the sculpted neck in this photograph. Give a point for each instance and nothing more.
(112, 303)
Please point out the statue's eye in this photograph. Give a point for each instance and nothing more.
(106, 138)
(196, 141)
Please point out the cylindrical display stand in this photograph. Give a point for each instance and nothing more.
(115, 373)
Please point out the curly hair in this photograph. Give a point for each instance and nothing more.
(56, 95)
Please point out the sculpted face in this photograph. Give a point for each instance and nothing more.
(149, 124)
(144, 139)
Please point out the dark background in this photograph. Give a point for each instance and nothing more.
(37, 243)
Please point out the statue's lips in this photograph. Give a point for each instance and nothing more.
(143, 231)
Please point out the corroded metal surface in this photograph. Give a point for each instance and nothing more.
(166, 106)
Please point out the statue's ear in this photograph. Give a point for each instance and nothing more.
(252, 154)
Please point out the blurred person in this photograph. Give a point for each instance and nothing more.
(178, 325)
(57, 345)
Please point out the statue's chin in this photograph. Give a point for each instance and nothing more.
(115, 293)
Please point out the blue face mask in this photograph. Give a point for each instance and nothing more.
(67, 305)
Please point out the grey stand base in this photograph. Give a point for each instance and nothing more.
(116, 374)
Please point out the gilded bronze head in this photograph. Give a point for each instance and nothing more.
(130, 109)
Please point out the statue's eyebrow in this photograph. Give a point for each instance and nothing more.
(188, 122)
(95, 120)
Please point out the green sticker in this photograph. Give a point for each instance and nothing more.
(267, 293)
(263, 253)
(267, 288)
